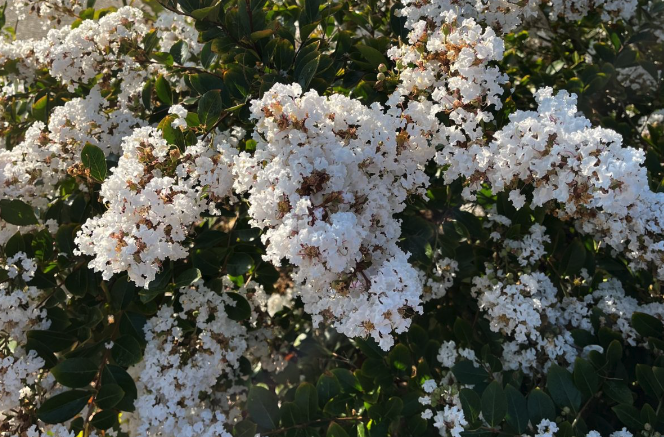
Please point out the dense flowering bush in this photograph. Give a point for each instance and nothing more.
(305, 218)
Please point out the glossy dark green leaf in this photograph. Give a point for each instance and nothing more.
(540, 406)
(290, 415)
(471, 403)
(400, 358)
(187, 278)
(585, 377)
(93, 159)
(239, 263)
(63, 406)
(306, 398)
(328, 386)
(263, 407)
(180, 52)
(122, 293)
(308, 72)
(75, 372)
(467, 373)
(241, 310)
(629, 416)
(372, 55)
(561, 387)
(335, 430)
(210, 108)
(245, 428)
(126, 351)
(17, 212)
(109, 395)
(52, 340)
(517, 409)
(647, 325)
(104, 419)
(164, 91)
(646, 379)
(574, 257)
(494, 404)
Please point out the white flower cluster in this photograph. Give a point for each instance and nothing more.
(600, 184)
(326, 179)
(94, 47)
(446, 70)
(32, 169)
(18, 313)
(172, 27)
(574, 10)
(155, 194)
(537, 320)
(183, 394)
(503, 15)
(50, 11)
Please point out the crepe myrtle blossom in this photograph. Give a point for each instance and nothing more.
(599, 184)
(325, 181)
(170, 386)
(154, 195)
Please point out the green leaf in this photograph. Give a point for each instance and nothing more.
(617, 391)
(585, 377)
(210, 108)
(126, 351)
(241, 310)
(335, 430)
(614, 352)
(104, 419)
(164, 91)
(540, 406)
(517, 409)
(122, 293)
(467, 373)
(393, 408)
(629, 416)
(260, 34)
(75, 372)
(348, 381)
(646, 379)
(561, 387)
(307, 73)
(17, 212)
(117, 375)
(328, 386)
(94, 160)
(494, 404)
(290, 414)
(52, 340)
(284, 55)
(180, 52)
(574, 257)
(239, 263)
(40, 109)
(647, 325)
(109, 395)
(471, 404)
(80, 282)
(63, 406)
(246, 428)
(187, 278)
(372, 55)
(400, 358)
(263, 407)
(306, 398)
